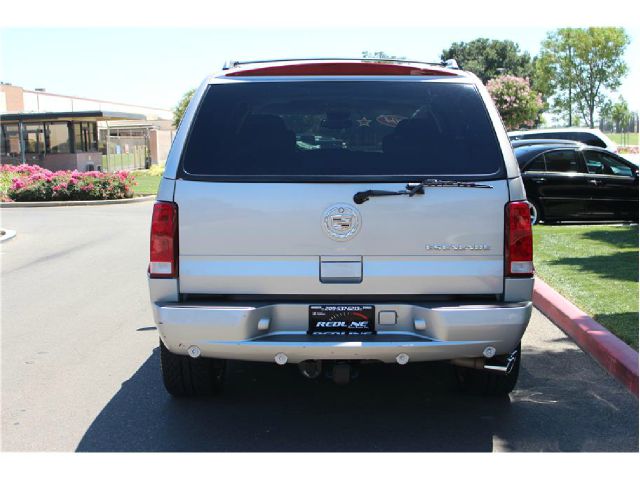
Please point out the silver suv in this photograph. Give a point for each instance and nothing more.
(332, 213)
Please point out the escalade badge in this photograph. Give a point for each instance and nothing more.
(458, 247)
(341, 222)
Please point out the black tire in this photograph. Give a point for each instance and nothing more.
(483, 382)
(184, 376)
(537, 214)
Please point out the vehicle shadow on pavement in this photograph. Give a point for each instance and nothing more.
(387, 408)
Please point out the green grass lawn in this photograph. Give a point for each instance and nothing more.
(147, 184)
(596, 268)
(628, 139)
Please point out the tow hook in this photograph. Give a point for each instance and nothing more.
(341, 373)
(310, 368)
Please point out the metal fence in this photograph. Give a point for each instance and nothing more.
(122, 152)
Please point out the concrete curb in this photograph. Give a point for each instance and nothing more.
(104, 202)
(7, 234)
(616, 357)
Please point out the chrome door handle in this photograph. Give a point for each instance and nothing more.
(539, 180)
(595, 182)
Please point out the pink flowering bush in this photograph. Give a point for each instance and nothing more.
(629, 150)
(33, 183)
(517, 103)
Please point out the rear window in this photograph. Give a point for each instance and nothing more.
(342, 129)
(590, 139)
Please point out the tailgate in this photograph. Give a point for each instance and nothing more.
(310, 238)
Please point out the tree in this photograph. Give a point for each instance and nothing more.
(580, 67)
(620, 115)
(489, 59)
(554, 72)
(178, 111)
(517, 103)
(616, 117)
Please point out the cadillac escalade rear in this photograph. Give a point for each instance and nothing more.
(329, 213)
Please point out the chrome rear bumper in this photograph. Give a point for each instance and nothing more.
(424, 332)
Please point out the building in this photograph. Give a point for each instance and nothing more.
(64, 140)
(68, 132)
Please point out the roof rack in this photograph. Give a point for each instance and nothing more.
(451, 64)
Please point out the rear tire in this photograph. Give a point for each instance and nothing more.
(184, 376)
(483, 382)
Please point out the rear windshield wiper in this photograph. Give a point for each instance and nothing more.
(416, 188)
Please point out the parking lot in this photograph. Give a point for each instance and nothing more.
(80, 370)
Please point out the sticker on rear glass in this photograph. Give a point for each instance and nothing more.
(389, 120)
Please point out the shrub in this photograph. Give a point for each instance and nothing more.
(628, 150)
(517, 103)
(154, 170)
(33, 183)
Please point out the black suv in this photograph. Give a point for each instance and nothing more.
(574, 182)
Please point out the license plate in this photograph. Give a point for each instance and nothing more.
(341, 320)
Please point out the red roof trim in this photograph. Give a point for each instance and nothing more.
(340, 69)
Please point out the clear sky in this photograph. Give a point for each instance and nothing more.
(154, 66)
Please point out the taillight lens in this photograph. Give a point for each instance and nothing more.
(518, 240)
(164, 240)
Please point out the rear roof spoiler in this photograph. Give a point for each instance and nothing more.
(339, 66)
(451, 63)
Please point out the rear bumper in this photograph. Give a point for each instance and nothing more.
(425, 332)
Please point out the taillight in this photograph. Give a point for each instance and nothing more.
(518, 240)
(164, 240)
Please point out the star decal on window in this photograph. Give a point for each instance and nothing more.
(364, 121)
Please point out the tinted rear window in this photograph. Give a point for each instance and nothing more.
(337, 129)
(590, 139)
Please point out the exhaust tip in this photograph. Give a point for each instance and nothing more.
(281, 358)
(505, 367)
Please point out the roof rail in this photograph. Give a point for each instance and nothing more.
(452, 64)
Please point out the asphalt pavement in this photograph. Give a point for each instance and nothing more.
(80, 370)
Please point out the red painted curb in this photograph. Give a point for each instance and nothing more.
(613, 354)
